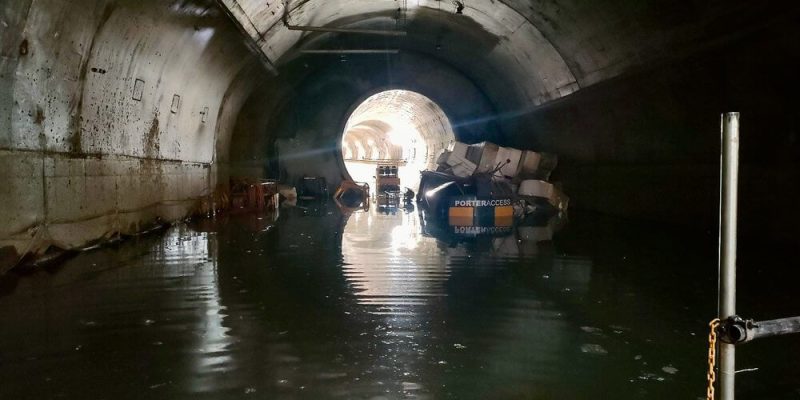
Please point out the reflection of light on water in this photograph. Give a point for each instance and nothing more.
(182, 245)
(214, 341)
(389, 263)
(405, 237)
(572, 273)
(399, 276)
(193, 255)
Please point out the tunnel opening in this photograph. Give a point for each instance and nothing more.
(395, 127)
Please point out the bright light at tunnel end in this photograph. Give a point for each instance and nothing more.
(395, 127)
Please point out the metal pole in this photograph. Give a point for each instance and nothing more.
(774, 327)
(729, 182)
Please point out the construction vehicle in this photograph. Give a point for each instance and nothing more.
(352, 196)
(387, 186)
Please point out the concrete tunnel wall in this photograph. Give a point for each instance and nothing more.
(646, 146)
(626, 92)
(304, 127)
(640, 141)
(374, 118)
(93, 138)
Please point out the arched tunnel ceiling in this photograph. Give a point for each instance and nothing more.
(487, 32)
(402, 110)
(547, 49)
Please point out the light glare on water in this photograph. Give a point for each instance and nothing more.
(371, 305)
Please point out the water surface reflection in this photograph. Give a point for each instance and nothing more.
(321, 304)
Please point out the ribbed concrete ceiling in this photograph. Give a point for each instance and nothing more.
(398, 126)
(487, 33)
(549, 49)
(413, 120)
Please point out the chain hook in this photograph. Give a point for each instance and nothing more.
(712, 357)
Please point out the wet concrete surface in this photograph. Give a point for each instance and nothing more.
(371, 306)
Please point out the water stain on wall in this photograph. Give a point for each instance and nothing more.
(152, 146)
(38, 119)
(23, 47)
(77, 119)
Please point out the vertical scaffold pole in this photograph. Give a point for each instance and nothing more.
(729, 184)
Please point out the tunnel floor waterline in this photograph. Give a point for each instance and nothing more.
(368, 305)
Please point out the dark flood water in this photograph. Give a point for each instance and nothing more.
(370, 306)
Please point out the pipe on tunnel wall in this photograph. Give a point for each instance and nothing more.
(116, 110)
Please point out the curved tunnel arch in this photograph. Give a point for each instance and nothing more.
(475, 67)
(407, 128)
(504, 28)
(310, 144)
(154, 104)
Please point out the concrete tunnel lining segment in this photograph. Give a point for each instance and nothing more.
(404, 126)
(309, 143)
(83, 158)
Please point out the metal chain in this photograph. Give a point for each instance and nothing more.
(712, 358)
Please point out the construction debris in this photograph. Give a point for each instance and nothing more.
(488, 175)
(288, 195)
(312, 187)
(532, 190)
(387, 186)
(253, 194)
(352, 195)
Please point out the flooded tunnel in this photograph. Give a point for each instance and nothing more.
(171, 226)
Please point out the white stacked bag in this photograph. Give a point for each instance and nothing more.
(527, 171)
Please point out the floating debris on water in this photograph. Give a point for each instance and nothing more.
(592, 330)
(331, 375)
(647, 376)
(670, 369)
(591, 348)
(618, 328)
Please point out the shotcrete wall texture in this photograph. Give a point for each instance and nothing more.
(519, 56)
(646, 146)
(110, 114)
(374, 117)
(117, 113)
(305, 125)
